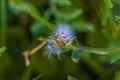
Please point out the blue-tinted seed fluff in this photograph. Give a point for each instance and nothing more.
(64, 33)
(52, 49)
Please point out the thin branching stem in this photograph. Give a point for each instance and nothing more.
(38, 47)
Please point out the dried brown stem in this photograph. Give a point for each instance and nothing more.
(27, 53)
(38, 47)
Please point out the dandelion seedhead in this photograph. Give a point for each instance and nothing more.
(56, 43)
(62, 34)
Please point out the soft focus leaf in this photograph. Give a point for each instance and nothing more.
(82, 26)
(36, 28)
(115, 57)
(109, 3)
(116, 1)
(19, 7)
(47, 14)
(117, 19)
(2, 50)
(76, 56)
(62, 2)
(104, 18)
(71, 78)
(16, 8)
(69, 15)
(109, 36)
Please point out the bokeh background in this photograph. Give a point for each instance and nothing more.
(95, 22)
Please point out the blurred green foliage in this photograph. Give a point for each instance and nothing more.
(95, 22)
(2, 50)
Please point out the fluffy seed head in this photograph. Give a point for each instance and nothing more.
(63, 32)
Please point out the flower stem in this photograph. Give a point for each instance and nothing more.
(38, 47)
(3, 23)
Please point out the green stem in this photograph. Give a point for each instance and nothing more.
(3, 23)
(43, 21)
(39, 18)
(101, 51)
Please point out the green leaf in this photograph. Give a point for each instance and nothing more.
(71, 78)
(62, 2)
(108, 3)
(76, 56)
(117, 18)
(82, 26)
(2, 50)
(69, 14)
(109, 36)
(115, 57)
(36, 28)
(26, 7)
(104, 18)
(15, 7)
(116, 1)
